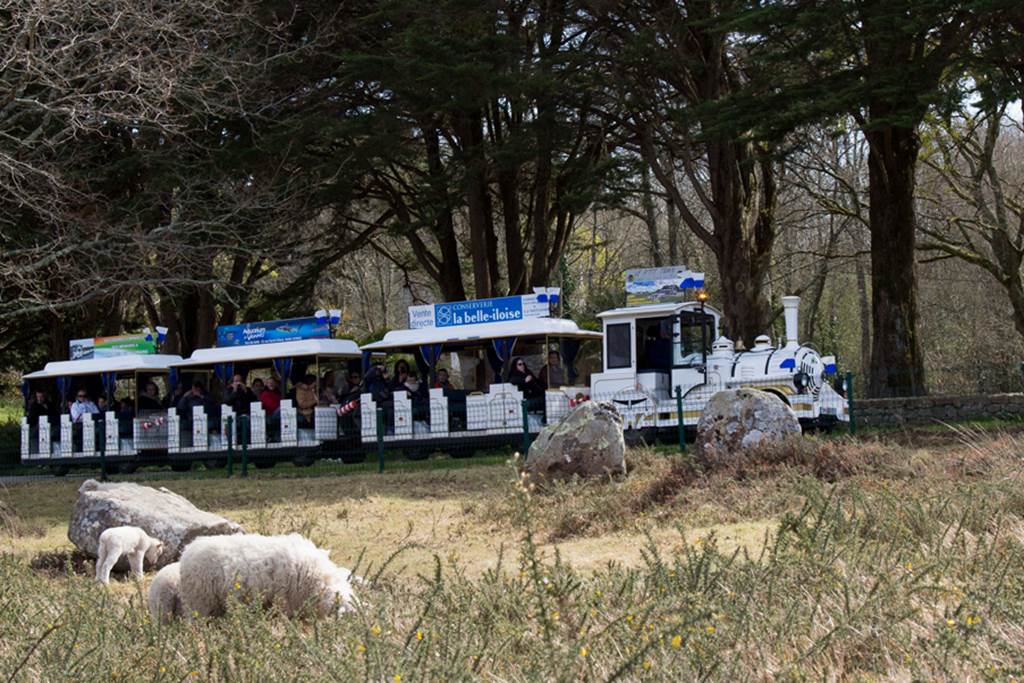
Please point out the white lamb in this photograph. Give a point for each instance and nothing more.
(165, 594)
(286, 572)
(126, 540)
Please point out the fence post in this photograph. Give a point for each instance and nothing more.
(682, 422)
(245, 444)
(380, 439)
(231, 440)
(101, 429)
(526, 429)
(849, 403)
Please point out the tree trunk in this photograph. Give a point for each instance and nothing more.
(650, 218)
(673, 232)
(746, 311)
(865, 320)
(897, 367)
(482, 242)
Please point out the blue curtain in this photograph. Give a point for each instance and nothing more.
(62, 389)
(427, 359)
(366, 362)
(283, 366)
(224, 372)
(499, 352)
(570, 349)
(109, 380)
(172, 379)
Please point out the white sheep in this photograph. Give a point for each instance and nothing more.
(287, 572)
(165, 594)
(125, 540)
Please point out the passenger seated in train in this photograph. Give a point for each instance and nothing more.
(125, 416)
(150, 398)
(553, 374)
(40, 406)
(102, 404)
(401, 375)
(328, 396)
(306, 400)
(355, 382)
(270, 397)
(524, 379)
(239, 396)
(172, 399)
(81, 406)
(442, 381)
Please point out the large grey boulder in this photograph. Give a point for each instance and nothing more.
(587, 442)
(160, 513)
(738, 420)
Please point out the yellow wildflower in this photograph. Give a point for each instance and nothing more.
(677, 642)
(375, 630)
(397, 678)
(584, 652)
(360, 648)
(710, 629)
(647, 665)
(238, 586)
(950, 622)
(419, 635)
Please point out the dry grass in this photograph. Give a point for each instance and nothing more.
(852, 561)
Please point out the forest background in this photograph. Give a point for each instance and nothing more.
(203, 162)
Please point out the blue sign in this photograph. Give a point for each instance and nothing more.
(272, 331)
(477, 312)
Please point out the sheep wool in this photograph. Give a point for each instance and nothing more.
(165, 594)
(286, 572)
(125, 540)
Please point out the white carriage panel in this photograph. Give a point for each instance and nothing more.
(66, 437)
(477, 412)
(227, 411)
(325, 423)
(173, 431)
(44, 436)
(368, 417)
(556, 405)
(88, 435)
(257, 425)
(438, 412)
(506, 414)
(289, 424)
(199, 431)
(403, 414)
(110, 440)
(26, 438)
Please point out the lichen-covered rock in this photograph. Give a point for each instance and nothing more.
(587, 442)
(160, 513)
(738, 420)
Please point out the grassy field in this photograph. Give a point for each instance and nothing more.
(839, 560)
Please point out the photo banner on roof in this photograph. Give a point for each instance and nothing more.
(480, 311)
(107, 347)
(272, 331)
(661, 285)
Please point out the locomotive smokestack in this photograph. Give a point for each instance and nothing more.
(791, 309)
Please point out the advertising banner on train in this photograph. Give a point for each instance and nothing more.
(661, 285)
(272, 331)
(105, 347)
(480, 311)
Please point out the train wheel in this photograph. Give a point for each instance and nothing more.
(463, 453)
(181, 466)
(59, 470)
(353, 457)
(214, 464)
(265, 464)
(128, 467)
(417, 454)
(303, 460)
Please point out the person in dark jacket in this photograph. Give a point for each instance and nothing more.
(195, 397)
(524, 379)
(38, 407)
(401, 375)
(239, 396)
(150, 398)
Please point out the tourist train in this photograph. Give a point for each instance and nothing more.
(658, 360)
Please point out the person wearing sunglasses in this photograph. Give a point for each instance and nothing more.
(523, 378)
(81, 406)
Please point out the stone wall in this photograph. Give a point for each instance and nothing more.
(929, 409)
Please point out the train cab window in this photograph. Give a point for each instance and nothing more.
(696, 331)
(654, 344)
(618, 340)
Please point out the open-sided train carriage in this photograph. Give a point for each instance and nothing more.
(475, 342)
(125, 439)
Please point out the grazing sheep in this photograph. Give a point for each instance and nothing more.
(125, 540)
(287, 572)
(165, 594)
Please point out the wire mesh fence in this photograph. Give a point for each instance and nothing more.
(436, 429)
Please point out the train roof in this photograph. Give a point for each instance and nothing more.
(464, 335)
(140, 362)
(289, 349)
(654, 310)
